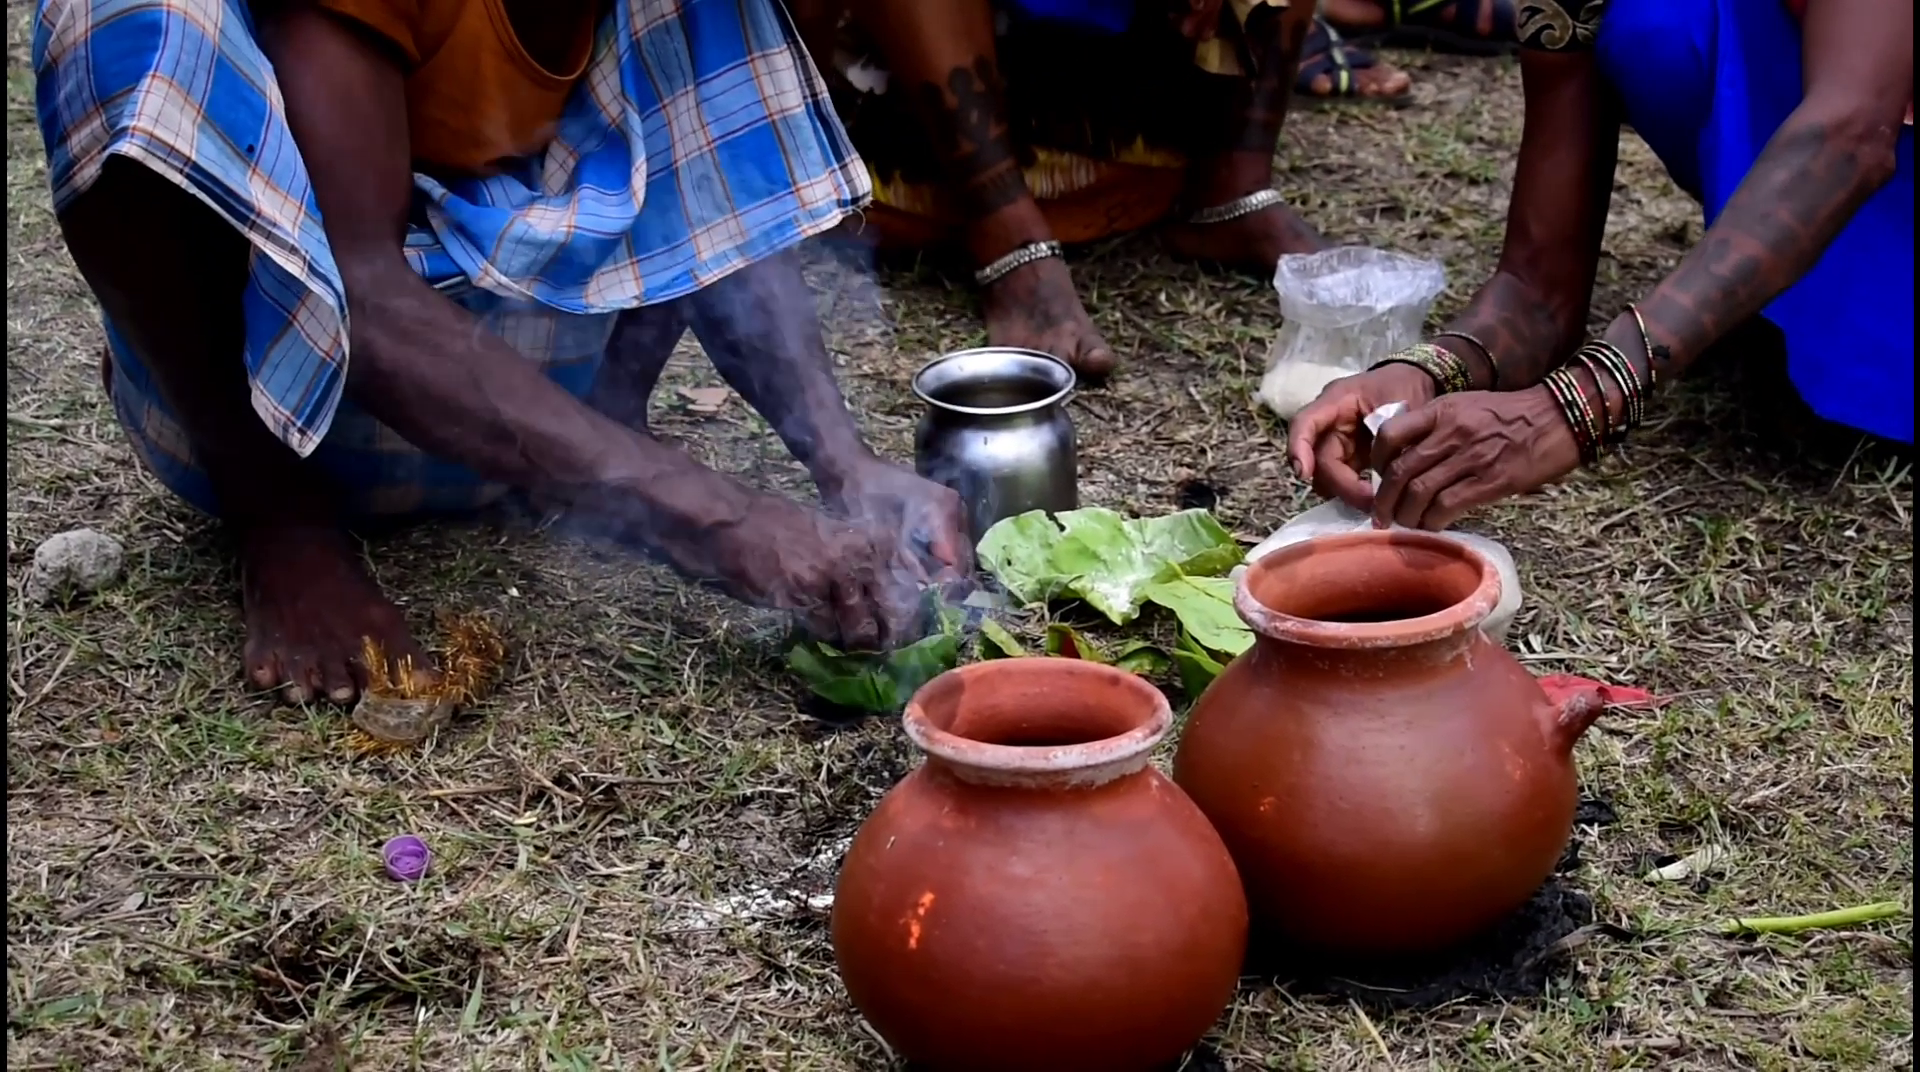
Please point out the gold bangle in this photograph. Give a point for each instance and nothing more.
(1448, 371)
(1646, 339)
(1634, 409)
(1586, 358)
(1493, 365)
(1573, 406)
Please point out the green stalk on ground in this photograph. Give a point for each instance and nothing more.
(1839, 917)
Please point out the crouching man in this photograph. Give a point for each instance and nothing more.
(376, 258)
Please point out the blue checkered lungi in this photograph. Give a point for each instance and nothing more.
(699, 140)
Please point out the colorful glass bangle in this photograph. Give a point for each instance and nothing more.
(1493, 364)
(1448, 371)
(1566, 392)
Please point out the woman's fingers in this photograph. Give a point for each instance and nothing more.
(1404, 450)
(1402, 431)
(1439, 471)
(1303, 436)
(1456, 499)
(1337, 475)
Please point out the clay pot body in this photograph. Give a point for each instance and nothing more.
(1388, 780)
(1036, 895)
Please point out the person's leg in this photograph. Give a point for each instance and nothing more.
(1238, 124)
(643, 339)
(169, 273)
(944, 51)
(1332, 68)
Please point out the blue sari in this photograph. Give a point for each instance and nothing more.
(1707, 83)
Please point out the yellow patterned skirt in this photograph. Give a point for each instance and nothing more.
(1099, 122)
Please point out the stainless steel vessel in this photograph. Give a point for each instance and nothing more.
(997, 431)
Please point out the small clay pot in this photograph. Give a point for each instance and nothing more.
(1036, 895)
(1388, 780)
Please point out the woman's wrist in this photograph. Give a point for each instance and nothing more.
(1442, 369)
(1411, 385)
(1483, 368)
(1564, 444)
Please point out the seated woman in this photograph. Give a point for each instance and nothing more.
(1075, 120)
(1791, 122)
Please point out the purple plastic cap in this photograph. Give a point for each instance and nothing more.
(406, 858)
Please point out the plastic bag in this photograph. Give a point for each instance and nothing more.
(1344, 309)
(1334, 516)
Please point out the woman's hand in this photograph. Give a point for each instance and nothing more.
(1465, 450)
(1328, 441)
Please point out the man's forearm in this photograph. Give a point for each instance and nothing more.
(432, 373)
(1808, 182)
(760, 328)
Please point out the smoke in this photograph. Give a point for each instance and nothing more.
(783, 333)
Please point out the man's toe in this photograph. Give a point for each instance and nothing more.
(337, 679)
(303, 677)
(262, 662)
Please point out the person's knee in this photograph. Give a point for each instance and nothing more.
(166, 268)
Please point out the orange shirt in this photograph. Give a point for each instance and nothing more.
(475, 95)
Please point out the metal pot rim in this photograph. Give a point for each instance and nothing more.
(1056, 369)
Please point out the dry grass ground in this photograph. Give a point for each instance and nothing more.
(192, 880)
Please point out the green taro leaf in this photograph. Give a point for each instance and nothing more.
(1066, 642)
(1141, 657)
(1098, 556)
(1197, 667)
(1019, 551)
(998, 642)
(1204, 606)
(874, 682)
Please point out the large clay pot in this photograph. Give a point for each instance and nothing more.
(1036, 895)
(1388, 780)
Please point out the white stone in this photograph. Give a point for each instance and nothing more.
(79, 562)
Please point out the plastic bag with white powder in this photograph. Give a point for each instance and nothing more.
(1344, 309)
(1334, 516)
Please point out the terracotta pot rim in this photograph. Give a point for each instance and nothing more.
(1084, 764)
(1455, 620)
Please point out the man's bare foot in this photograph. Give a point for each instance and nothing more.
(309, 604)
(1035, 307)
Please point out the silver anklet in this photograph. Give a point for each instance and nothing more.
(1019, 258)
(1238, 207)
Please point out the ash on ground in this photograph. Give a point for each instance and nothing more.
(1518, 959)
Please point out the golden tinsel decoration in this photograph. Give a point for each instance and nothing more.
(402, 706)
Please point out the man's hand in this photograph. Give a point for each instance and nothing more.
(924, 521)
(1462, 451)
(842, 581)
(1328, 443)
